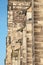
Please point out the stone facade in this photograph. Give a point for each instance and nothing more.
(24, 42)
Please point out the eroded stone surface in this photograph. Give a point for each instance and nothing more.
(21, 47)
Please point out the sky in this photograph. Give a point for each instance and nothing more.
(3, 30)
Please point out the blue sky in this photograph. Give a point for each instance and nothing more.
(3, 30)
